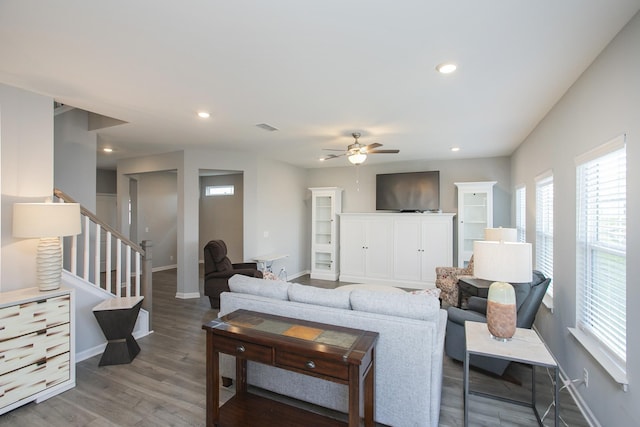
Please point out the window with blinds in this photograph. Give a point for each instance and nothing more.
(601, 247)
(521, 209)
(544, 227)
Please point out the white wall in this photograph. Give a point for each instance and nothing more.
(26, 147)
(602, 104)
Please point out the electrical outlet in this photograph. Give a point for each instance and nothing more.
(585, 377)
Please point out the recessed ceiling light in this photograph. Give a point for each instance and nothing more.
(107, 150)
(204, 115)
(454, 149)
(446, 68)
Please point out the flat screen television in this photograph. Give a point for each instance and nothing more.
(408, 192)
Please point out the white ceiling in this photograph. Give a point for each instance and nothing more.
(316, 70)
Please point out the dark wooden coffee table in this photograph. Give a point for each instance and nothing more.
(333, 353)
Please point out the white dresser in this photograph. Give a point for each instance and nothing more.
(37, 345)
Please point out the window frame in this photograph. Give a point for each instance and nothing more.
(599, 239)
(521, 213)
(544, 230)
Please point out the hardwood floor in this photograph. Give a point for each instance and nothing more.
(165, 384)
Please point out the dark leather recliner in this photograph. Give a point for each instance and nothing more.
(218, 268)
(528, 299)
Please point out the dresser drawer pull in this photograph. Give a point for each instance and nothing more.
(240, 349)
(310, 364)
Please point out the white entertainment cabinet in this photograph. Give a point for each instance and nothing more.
(398, 249)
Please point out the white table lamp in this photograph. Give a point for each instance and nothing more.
(504, 263)
(501, 234)
(47, 221)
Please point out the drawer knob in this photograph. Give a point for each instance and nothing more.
(310, 364)
(240, 349)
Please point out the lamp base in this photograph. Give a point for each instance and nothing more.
(500, 338)
(49, 263)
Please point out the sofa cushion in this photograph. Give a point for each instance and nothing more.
(392, 304)
(275, 289)
(319, 296)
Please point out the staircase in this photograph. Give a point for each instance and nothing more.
(101, 263)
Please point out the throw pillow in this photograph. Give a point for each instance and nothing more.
(434, 292)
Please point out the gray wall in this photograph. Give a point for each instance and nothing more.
(221, 217)
(106, 181)
(75, 157)
(602, 104)
(158, 215)
(360, 194)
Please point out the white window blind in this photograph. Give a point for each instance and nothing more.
(521, 209)
(544, 227)
(601, 247)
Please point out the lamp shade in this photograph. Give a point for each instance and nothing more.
(502, 261)
(46, 219)
(501, 234)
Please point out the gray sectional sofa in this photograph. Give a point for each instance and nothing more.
(408, 373)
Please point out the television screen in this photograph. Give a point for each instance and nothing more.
(408, 192)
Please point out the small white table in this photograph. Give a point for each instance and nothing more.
(525, 347)
(267, 263)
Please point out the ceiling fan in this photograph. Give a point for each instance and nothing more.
(356, 152)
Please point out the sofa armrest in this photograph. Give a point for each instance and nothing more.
(459, 316)
(477, 304)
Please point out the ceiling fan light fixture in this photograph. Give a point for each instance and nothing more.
(357, 158)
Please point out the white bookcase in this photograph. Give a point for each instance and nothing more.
(326, 204)
(475, 213)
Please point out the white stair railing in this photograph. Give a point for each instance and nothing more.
(128, 275)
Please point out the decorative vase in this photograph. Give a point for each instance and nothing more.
(501, 311)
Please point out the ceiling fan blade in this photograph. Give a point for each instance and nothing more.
(383, 152)
(374, 145)
(331, 156)
(333, 149)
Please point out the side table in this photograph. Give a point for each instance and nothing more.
(117, 318)
(525, 347)
(472, 286)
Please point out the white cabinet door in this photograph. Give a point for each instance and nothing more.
(352, 246)
(379, 241)
(437, 250)
(407, 249)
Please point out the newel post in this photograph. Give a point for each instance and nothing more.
(147, 279)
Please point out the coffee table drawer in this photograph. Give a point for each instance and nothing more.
(258, 353)
(311, 365)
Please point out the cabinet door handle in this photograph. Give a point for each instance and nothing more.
(310, 364)
(240, 349)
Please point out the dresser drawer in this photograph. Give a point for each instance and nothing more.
(308, 364)
(32, 348)
(255, 352)
(33, 379)
(29, 317)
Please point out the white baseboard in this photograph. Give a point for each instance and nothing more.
(164, 267)
(187, 295)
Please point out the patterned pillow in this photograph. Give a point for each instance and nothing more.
(433, 292)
